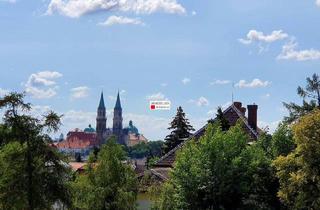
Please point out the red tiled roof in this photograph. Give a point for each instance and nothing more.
(78, 140)
(77, 166)
(134, 139)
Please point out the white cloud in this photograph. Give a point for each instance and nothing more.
(78, 8)
(156, 96)
(266, 96)
(258, 36)
(80, 92)
(42, 84)
(77, 119)
(318, 3)
(164, 84)
(193, 13)
(290, 52)
(185, 80)
(3, 92)
(256, 83)
(202, 101)
(120, 20)
(220, 82)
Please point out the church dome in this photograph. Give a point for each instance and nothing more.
(132, 129)
(89, 129)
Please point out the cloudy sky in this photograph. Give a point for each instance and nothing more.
(194, 53)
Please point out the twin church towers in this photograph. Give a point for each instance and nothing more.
(103, 133)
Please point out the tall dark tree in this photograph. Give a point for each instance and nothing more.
(223, 122)
(312, 93)
(181, 129)
(38, 178)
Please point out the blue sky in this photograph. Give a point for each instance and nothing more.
(64, 52)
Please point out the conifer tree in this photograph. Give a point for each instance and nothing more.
(181, 129)
(33, 174)
(312, 92)
(224, 123)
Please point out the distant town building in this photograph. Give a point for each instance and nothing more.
(83, 142)
(78, 141)
(133, 136)
(128, 136)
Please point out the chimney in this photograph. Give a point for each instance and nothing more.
(243, 111)
(238, 105)
(252, 116)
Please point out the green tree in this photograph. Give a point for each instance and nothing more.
(282, 142)
(146, 149)
(312, 92)
(33, 174)
(108, 183)
(221, 171)
(181, 129)
(140, 150)
(299, 171)
(224, 123)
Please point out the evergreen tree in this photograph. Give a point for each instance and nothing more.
(311, 91)
(224, 123)
(33, 174)
(181, 129)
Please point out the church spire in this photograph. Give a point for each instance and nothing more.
(101, 125)
(118, 103)
(117, 121)
(101, 104)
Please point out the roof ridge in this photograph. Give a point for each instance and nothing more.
(201, 129)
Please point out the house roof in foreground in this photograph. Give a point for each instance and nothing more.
(232, 113)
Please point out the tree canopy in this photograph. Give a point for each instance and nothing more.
(33, 174)
(221, 171)
(299, 171)
(181, 129)
(149, 149)
(108, 183)
(312, 93)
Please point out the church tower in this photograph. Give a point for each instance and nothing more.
(101, 125)
(117, 121)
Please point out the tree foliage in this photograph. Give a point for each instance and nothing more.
(108, 183)
(282, 141)
(33, 174)
(145, 149)
(299, 171)
(224, 123)
(181, 129)
(312, 92)
(221, 171)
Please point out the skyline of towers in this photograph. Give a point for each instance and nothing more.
(101, 122)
